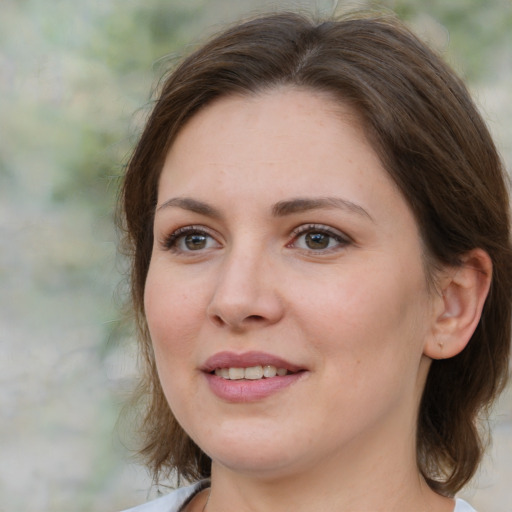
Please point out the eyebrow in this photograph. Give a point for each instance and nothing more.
(193, 205)
(303, 204)
(279, 209)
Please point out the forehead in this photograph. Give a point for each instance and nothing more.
(299, 132)
(286, 102)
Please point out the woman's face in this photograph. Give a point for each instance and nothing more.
(283, 249)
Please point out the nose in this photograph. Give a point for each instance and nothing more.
(246, 293)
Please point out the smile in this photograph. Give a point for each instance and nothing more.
(251, 373)
(250, 376)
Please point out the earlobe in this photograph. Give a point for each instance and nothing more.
(459, 305)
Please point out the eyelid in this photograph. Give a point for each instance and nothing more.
(304, 228)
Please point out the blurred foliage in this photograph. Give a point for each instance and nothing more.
(76, 73)
(480, 32)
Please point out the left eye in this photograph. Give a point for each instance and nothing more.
(190, 239)
(315, 239)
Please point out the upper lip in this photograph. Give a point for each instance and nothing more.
(246, 359)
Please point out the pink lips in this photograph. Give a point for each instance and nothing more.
(248, 390)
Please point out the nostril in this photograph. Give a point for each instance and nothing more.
(255, 318)
(251, 319)
(217, 320)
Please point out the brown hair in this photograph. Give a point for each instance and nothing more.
(420, 119)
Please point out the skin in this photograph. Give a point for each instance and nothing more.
(357, 315)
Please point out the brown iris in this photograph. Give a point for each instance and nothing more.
(317, 240)
(195, 241)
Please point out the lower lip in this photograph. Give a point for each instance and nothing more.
(250, 390)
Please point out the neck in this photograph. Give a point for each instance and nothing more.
(246, 494)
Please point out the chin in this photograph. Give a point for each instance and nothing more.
(266, 466)
(263, 454)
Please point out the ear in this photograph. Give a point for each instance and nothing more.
(457, 311)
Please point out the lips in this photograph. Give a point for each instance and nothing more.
(248, 377)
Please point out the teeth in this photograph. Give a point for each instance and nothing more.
(236, 373)
(254, 373)
(269, 371)
(250, 373)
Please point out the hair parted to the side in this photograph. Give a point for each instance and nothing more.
(420, 119)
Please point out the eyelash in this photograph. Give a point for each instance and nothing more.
(342, 239)
(172, 241)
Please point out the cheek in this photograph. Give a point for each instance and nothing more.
(371, 313)
(372, 342)
(172, 318)
(173, 312)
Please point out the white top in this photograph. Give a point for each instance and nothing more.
(175, 500)
(171, 502)
(462, 506)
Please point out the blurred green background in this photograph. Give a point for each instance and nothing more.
(75, 86)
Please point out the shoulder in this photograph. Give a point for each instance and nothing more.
(462, 506)
(171, 502)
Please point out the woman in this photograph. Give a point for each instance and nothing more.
(321, 272)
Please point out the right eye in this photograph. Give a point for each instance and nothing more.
(190, 239)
